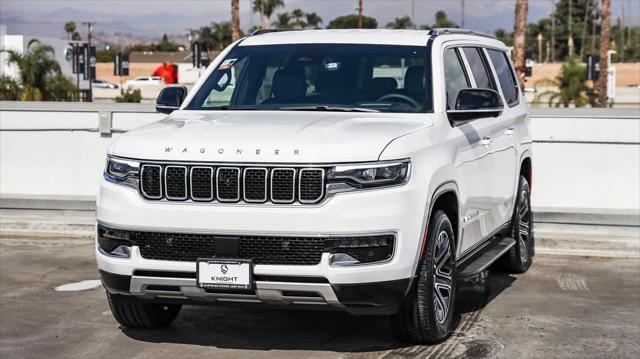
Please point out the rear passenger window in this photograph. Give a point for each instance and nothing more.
(507, 80)
(479, 68)
(454, 76)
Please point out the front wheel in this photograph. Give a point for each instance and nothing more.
(426, 315)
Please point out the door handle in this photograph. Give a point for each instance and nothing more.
(509, 132)
(486, 141)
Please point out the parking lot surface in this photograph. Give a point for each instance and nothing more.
(564, 307)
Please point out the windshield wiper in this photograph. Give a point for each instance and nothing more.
(326, 108)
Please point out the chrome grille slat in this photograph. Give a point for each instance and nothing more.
(201, 183)
(151, 181)
(255, 184)
(252, 184)
(228, 184)
(310, 185)
(283, 183)
(175, 182)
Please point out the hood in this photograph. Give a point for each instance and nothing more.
(267, 136)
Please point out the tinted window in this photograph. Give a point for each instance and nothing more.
(479, 68)
(272, 77)
(454, 76)
(505, 76)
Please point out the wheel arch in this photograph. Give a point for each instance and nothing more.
(526, 167)
(445, 198)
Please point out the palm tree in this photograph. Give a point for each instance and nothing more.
(572, 89)
(313, 20)
(519, 40)
(40, 76)
(70, 28)
(235, 20)
(297, 15)
(266, 8)
(284, 21)
(400, 23)
(604, 49)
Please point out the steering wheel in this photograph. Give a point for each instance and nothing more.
(400, 96)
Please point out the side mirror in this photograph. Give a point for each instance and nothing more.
(475, 103)
(170, 99)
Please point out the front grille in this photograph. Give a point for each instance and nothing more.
(276, 250)
(202, 183)
(311, 185)
(175, 181)
(283, 182)
(151, 181)
(228, 184)
(255, 184)
(282, 185)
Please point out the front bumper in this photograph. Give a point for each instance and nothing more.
(379, 298)
(399, 210)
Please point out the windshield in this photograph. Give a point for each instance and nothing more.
(328, 77)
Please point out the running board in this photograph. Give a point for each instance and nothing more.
(485, 257)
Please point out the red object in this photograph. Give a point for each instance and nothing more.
(169, 72)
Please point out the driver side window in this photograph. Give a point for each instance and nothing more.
(455, 77)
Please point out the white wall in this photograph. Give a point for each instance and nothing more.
(583, 160)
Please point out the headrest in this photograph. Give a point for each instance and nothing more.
(383, 85)
(414, 81)
(289, 84)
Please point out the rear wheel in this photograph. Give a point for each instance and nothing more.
(132, 314)
(519, 257)
(426, 315)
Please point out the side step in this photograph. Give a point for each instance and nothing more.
(485, 257)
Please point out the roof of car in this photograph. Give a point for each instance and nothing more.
(352, 36)
(346, 36)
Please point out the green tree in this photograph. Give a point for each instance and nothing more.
(298, 15)
(266, 8)
(76, 36)
(351, 22)
(313, 20)
(9, 88)
(40, 76)
(69, 28)
(284, 21)
(571, 87)
(130, 95)
(581, 10)
(442, 21)
(217, 36)
(400, 23)
(166, 45)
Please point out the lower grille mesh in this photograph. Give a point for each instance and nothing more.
(263, 250)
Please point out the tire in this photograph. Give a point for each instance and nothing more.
(134, 315)
(426, 314)
(519, 258)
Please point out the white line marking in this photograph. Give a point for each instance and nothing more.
(78, 286)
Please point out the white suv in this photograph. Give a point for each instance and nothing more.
(361, 170)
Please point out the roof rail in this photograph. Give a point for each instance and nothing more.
(266, 31)
(458, 31)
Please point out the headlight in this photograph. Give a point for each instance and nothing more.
(122, 172)
(371, 175)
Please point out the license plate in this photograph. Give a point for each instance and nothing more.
(224, 273)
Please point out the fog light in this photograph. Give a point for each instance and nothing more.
(114, 242)
(356, 250)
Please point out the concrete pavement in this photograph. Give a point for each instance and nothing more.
(564, 307)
